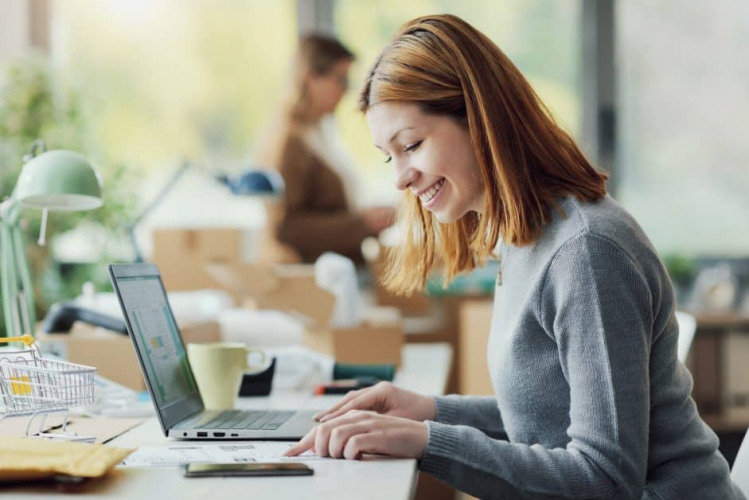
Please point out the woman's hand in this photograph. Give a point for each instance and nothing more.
(386, 399)
(358, 432)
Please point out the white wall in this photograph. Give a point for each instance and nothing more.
(15, 29)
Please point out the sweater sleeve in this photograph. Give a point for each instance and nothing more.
(480, 412)
(308, 230)
(596, 306)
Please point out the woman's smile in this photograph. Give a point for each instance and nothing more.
(428, 196)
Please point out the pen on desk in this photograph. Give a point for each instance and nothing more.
(344, 386)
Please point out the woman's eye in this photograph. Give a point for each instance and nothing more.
(406, 149)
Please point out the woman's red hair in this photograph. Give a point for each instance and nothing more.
(447, 67)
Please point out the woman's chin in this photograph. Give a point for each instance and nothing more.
(445, 217)
(450, 216)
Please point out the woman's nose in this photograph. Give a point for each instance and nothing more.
(406, 178)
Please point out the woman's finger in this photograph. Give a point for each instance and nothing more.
(354, 400)
(319, 440)
(345, 399)
(362, 443)
(341, 434)
(303, 445)
(361, 403)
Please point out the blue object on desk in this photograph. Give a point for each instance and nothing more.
(347, 371)
(480, 281)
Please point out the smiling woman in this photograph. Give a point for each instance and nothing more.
(590, 399)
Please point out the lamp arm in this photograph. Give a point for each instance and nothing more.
(10, 329)
(18, 301)
(171, 182)
(26, 299)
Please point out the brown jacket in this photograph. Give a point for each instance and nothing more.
(316, 217)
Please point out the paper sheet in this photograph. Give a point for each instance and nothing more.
(169, 456)
(102, 429)
(16, 426)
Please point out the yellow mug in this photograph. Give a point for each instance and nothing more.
(218, 369)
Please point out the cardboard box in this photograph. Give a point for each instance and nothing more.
(735, 383)
(182, 254)
(416, 304)
(475, 324)
(366, 344)
(112, 353)
(292, 289)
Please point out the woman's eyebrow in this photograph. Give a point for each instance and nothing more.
(395, 135)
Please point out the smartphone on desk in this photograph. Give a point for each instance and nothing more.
(248, 469)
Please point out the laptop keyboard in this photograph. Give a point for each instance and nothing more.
(249, 420)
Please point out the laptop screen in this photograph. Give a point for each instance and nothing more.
(157, 341)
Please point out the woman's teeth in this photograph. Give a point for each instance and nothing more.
(432, 192)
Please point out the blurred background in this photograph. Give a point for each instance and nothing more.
(654, 90)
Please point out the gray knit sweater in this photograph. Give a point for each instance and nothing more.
(590, 394)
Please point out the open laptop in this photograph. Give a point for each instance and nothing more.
(163, 360)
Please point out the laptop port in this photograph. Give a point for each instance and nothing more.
(202, 434)
(219, 434)
(234, 435)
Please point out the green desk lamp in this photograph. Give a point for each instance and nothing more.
(56, 180)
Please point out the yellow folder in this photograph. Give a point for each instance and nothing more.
(28, 459)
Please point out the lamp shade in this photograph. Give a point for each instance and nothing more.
(59, 180)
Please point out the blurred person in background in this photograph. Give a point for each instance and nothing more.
(318, 212)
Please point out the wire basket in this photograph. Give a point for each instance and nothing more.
(32, 385)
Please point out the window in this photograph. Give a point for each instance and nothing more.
(542, 37)
(684, 154)
(169, 79)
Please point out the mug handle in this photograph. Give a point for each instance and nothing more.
(252, 350)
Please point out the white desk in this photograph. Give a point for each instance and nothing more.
(425, 370)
